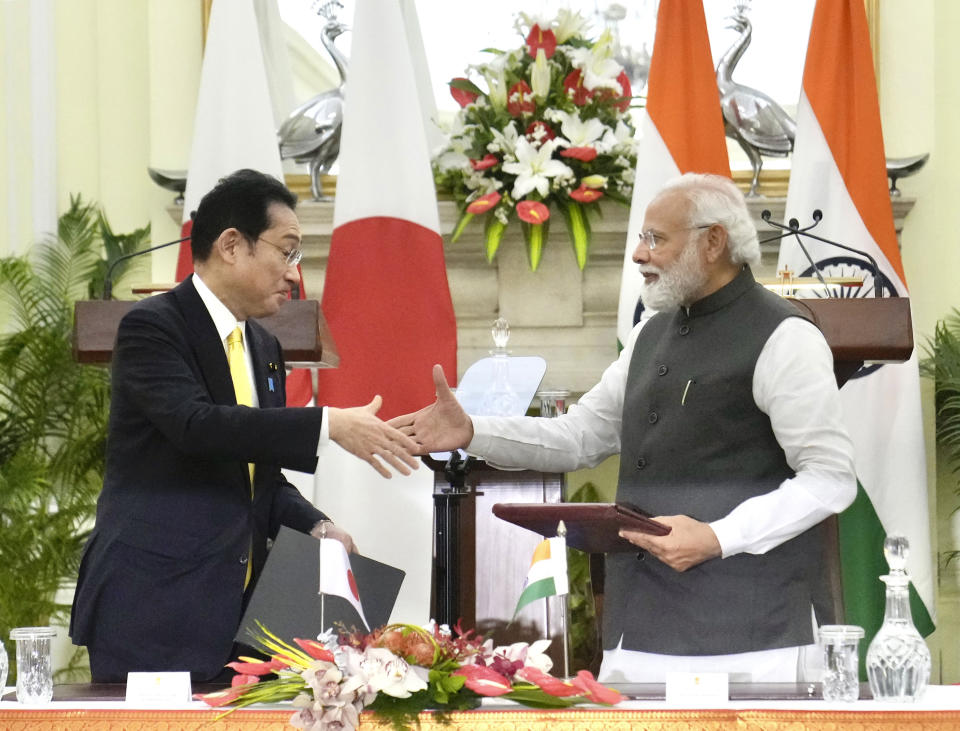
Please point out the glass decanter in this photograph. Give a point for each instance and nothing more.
(898, 660)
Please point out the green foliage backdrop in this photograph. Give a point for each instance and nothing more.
(53, 415)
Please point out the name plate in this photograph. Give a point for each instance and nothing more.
(158, 689)
(697, 689)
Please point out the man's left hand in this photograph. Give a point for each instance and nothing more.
(328, 529)
(689, 542)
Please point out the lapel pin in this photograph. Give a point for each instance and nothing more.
(270, 383)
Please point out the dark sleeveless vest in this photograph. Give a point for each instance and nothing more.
(695, 443)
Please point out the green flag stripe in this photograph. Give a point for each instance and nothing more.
(861, 564)
(537, 590)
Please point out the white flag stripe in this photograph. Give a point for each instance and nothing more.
(380, 65)
(233, 123)
(655, 166)
(335, 574)
(882, 411)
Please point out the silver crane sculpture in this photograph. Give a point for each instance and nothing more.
(758, 124)
(311, 134)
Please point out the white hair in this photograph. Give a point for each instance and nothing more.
(717, 199)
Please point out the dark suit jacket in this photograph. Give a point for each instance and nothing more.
(161, 581)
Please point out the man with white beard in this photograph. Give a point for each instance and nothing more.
(726, 415)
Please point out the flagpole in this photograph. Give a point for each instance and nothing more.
(323, 597)
(562, 532)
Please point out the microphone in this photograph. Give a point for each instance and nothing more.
(108, 280)
(793, 228)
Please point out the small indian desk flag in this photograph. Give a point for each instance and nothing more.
(336, 576)
(548, 573)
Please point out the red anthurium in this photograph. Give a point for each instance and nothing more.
(221, 697)
(483, 681)
(520, 99)
(256, 668)
(585, 194)
(243, 680)
(579, 153)
(532, 211)
(487, 161)
(624, 104)
(484, 204)
(595, 691)
(573, 86)
(547, 683)
(315, 650)
(462, 96)
(540, 38)
(539, 132)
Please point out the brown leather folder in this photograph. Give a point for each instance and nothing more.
(591, 527)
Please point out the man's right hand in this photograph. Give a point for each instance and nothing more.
(360, 432)
(439, 427)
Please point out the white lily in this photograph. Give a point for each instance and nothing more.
(505, 141)
(534, 168)
(579, 132)
(568, 24)
(600, 71)
(387, 673)
(612, 139)
(540, 76)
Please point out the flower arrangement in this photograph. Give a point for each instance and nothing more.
(397, 671)
(551, 131)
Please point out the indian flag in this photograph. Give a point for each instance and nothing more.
(838, 167)
(681, 132)
(548, 573)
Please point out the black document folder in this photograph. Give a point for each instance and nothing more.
(286, 599)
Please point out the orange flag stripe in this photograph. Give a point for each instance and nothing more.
(541, 552)
(687, 115)
(839, 82)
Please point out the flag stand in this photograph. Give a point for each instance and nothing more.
(562, 532)
(323, 597)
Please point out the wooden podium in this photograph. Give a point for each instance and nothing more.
(492, 556)
(298, 325)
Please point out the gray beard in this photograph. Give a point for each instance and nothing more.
(676, 285)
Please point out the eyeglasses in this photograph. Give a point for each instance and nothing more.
(652, 238)
(291, 256)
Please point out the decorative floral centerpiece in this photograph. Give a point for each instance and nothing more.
(398, 671)
(552, 131)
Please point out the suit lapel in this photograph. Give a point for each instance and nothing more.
(267, 375)
(203, 338)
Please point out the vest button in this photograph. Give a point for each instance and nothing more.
(243, 559)
(652, 417)
(641, 463)
(684, 329)
(661, 370)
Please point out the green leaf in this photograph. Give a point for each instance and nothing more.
(493, 233)
(465, 218)
(535, 235)
(579, 230)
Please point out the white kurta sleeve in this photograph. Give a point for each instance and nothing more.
(794, 384)
(587, 434)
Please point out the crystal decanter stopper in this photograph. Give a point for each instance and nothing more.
(898, 660)
(500, 399)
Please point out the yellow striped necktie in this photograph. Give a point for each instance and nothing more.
(244, 394)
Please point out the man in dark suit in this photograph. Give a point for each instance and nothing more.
(193, 488)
